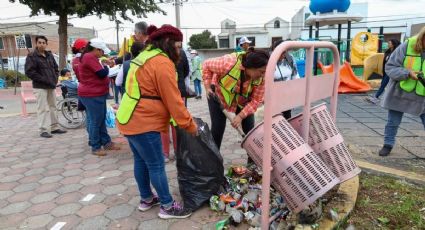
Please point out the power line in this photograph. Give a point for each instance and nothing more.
(30, 24)
(26, 16)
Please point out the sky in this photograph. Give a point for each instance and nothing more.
(198, 15)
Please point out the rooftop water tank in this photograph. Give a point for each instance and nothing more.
(327, 6)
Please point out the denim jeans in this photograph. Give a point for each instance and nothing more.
(391, 128)
(117, 92)
(149, 166)
(96, 115)
(198, 88)
(384, 83)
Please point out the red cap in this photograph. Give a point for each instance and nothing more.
(165, 31)
(80, 43)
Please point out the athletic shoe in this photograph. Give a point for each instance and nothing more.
(144, 206)
(176, 211)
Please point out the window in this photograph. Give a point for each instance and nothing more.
(252, 39)
(226, 25)
(1, 44)
(23, 41)
(275, 39)
(276, 24)
(223, 43)
(28, 41)
(306, 15)
(4, 62)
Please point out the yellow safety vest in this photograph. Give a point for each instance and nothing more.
(413, 61)
(229, 81)
(132, 93)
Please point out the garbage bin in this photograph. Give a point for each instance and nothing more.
(2, 84)
(299, 174)
(301, 68)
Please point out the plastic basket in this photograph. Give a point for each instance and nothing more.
(298, 173)
(328, 143)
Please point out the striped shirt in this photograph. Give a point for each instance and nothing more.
(214, 69)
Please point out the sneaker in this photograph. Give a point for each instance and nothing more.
(45, 135)
(144, 206)
(111, 146)
(59, 131)
(385, 151)
(99, 152)
(372, 99)
(176, 211)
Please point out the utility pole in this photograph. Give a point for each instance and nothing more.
(177, 3)
(118, 38)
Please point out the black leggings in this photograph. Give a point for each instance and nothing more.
(218, 121)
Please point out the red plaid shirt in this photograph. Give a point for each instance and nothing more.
(214, 69)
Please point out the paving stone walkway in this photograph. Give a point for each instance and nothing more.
(56, 183)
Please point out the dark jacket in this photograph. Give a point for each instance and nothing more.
(387, 55)
(43, 71)
(182, 71)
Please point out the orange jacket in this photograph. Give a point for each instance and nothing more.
(157, 77)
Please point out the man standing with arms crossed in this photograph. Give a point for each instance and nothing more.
(41, 67)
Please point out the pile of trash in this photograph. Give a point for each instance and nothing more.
(241, 200)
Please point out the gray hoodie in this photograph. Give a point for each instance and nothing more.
(395, 98)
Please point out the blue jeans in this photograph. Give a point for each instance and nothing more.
(117, 92)
(149, 166)
(96, 115)
(384, 83)
(198, 88)
(391, 128)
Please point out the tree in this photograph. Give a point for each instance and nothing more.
(203, 40)
(82, 8)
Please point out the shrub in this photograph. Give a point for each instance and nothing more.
(11, 75)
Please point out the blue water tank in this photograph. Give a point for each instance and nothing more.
(327, 6)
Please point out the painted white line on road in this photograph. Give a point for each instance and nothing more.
(88, 197)
(58, 226)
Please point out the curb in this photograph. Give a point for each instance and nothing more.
(10, 115)
(347, 193)
(382, 170)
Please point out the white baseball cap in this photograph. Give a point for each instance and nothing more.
(99, 44)
(194, 52)
(244, 40)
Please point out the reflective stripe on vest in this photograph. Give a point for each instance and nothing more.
(132, 93)
(229, 81)
(129, 44)
(414, 62)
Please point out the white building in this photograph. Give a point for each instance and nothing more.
(261, 37)
(395, 27)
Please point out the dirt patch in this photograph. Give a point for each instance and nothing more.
(387, 203)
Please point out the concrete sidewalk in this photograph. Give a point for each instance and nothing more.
(49, 182)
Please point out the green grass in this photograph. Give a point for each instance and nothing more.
(388, 203)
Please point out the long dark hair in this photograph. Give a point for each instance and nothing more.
(254, 59)
(395, 43)
(167, 47)
(87, 49)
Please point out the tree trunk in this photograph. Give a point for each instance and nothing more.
(63, 40)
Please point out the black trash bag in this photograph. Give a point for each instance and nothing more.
(200, 170)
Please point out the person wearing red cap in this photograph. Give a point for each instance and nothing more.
(151, 97)
(77, 50)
